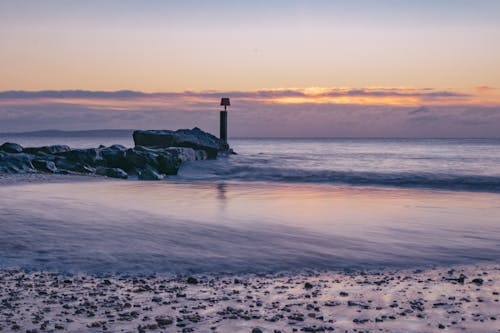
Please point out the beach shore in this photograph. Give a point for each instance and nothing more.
(452, 299)
(47, 178)
(446, 297)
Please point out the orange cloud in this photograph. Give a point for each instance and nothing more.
(190, 100)
(484, 89)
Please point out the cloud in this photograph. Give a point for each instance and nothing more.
(484, 89)
(402, 96)
(363, 112)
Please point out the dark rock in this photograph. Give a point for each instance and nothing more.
(114, 156)
(192, 280)
(256, 330)
(195, 138)
(163, 321)
(296, 317)
(16, 163)
(477, 281)
(89, 156)
(55, 149)
(140, 158)
(69, 165)
(111, 172)
(149, 174)
(12, 148)
(44, 166)
(307, 285)
(163, 160)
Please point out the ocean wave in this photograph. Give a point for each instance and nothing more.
(256, 172)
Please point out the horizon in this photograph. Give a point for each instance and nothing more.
(124, 130)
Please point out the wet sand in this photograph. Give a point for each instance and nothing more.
(452, 299)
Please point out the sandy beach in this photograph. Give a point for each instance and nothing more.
(453, 299)
(71, 276)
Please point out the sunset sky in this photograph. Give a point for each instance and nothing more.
(292, 68)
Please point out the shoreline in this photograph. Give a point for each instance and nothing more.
(48, 178)
(454, 299)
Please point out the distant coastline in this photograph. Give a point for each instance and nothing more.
(128, 132)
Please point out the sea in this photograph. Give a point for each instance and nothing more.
(278, 205)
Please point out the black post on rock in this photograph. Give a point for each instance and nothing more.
(223, 118)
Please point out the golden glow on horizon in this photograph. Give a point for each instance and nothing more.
(376, 96)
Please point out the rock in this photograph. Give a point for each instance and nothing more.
(114, 156)
(163, 321)
(192, 280)
(69, 165)
(12, 148)
(256, 330)
(111, 172)
(44, 166)
(184, 154)
(195, 138)
(308, 286)
(163, 160)
(16, 163)
(89, 156)
(55, 149)
(149, 174)
(140, 158)
(477, 281)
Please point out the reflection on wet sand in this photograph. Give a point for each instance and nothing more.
(241, 226)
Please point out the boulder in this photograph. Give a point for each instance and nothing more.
(163, 160)
(64, 163)
(195, 138)
(55, 149)
(140, 159)
(114, 156)
(44, 165)
(88, 156)
(111, 172)
(10, 147)
(16, 163)
(149, 174)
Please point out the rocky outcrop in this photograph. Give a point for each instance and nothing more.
(194, 138)
(47, 149)
(16, 163)
(155, 155)
(111, 172)
(116, 161)
(10, 147)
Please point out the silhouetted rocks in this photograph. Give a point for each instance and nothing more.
(47, 149)
(161, 153)
(44, 165)
(15, 163)
(10, 147)
(114, 156)
(149, 174)
(194, 138)
(111, 172)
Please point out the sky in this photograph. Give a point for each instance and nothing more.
(312, 68)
